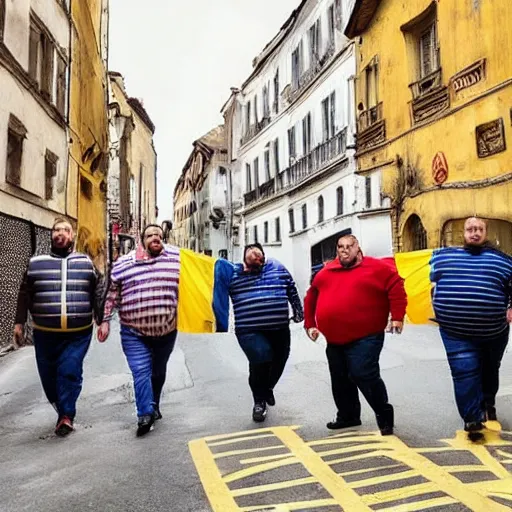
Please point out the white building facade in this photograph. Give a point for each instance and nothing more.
(34, 92)
(293, 146)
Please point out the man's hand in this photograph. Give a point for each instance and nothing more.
(313, 333)
(395, 327)
(509, 315)
(298, 318)
(18, 335)
(103, 332)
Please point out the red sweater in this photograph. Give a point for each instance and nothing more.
(348, 304)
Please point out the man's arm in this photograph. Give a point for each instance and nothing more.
(98, 295)
(23, 303)
(112, 300)
(397, 296)
(294, 299)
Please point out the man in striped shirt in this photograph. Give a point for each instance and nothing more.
(261, 291)
(144, 288)
(471, 300)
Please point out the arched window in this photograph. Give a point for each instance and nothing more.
(414, 235)
(339, 201)
(320, 209)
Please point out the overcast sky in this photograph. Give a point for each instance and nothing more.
(181, 58)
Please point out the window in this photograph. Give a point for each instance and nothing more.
(372, 80)
(256, 171)
(266, 101)
(248, 178)
(368, 191)
(331, 17)
(304, 216)
(291, 220)
(292, 150)
(50, 172)
(43, 55)
(315, 40)
(278, 229)
(2, 19)
(297, 65)
(329, 117)
(16, 134)
(306, 134)
(223, 254)
(247, 116)
(255, 234)
(255, 101)
(320, 209)
(339, 201)
(276, 92)
(267, 163)
(277, 166)
(265, 232)
(429, 61)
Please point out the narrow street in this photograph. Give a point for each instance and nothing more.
(104, 467)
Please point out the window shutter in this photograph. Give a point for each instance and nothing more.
(61, 85)
(333, 115)
(35, 37)
(47, 69)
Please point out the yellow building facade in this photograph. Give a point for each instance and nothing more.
(88, 124)
(434, 102)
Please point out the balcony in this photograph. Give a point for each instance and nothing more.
(264, 191)
(371, 128)
(314, 162)
(254, 129)
(429, 97)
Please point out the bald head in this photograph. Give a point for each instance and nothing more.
(475, 232)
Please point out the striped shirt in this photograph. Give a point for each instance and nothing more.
(472, 290)
(260, 298)
(145, 291)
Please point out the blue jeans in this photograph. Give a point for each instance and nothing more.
(356, 365)
(475, 364)
(267, 352)
(60, 357)
(147, 358)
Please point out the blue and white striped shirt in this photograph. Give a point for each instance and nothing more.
(472, 290)
(260, 299)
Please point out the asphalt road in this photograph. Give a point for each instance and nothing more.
(289, 463)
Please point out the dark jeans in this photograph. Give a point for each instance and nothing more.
(147, 358)
(475, 364)
(60, 357)
(356, 365)
(267, 352)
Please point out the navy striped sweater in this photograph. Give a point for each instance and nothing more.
(260, 298)
(472, 290)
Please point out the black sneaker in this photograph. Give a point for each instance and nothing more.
(144, 425)
(474, 430)
(339, 424)
(271, 400)
(157, 414)
(259, 412)
(386, 421)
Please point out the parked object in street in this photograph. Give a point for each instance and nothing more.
(63, 292)
(349, 302)
(472, 304)
(261, 290)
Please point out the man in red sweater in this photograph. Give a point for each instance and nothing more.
(349, 302)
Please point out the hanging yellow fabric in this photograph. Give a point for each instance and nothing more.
(414, 268)
(195, 293)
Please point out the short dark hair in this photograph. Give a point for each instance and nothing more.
(151, 226)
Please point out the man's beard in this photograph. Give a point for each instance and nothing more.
(349, 264)
(155, 252)
(62, 251)
(476, 248)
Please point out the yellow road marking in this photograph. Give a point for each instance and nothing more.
(268, 458)
(333, 484)
(369, 470)
(256, 431)
(220, 455)
(260, 468)
(216, 490)
(274, 487)
(374, 440)
(401, 493)
(384, 478)
(446, 482)
(286, 507)
(421, 505)
(240, 440)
